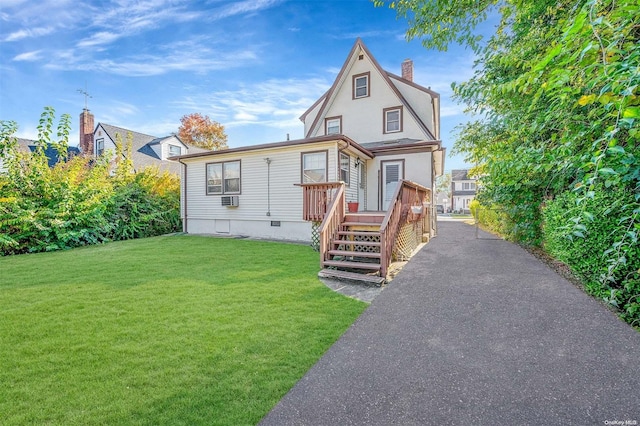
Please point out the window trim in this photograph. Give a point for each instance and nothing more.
(326, 165)
(386, 111)
(368, 86)
(348, 170)
(223, 192)
(170, 145)
(98, 142)
(326, 125)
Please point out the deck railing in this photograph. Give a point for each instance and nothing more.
(331, 223)
(316, 199)
(409, 204)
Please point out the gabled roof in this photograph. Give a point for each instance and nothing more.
(461, 174)
(328, 97)
(142, 153)
(28, 145)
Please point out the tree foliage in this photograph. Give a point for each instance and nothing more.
(199, 130)
(443, 184)
(556, 93)
(81, 200)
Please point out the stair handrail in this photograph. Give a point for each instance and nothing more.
(330, 225)
(398, 208)
(316, 197)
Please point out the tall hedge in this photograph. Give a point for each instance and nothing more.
(81, 200)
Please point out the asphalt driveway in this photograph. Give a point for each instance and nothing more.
(474, 332)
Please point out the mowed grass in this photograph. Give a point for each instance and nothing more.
(168, 330)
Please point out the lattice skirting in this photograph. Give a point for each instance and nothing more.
(364, 249)
(315, 235)
(408, 239)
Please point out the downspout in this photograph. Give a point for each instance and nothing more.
(268, 161)
(184, 219)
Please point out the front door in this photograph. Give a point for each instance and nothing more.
(392, 173)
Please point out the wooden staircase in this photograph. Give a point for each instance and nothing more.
(359, 246)
(355, 251)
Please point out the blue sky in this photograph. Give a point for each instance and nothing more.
(254, 66)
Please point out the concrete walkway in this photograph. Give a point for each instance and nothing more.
(474, 332)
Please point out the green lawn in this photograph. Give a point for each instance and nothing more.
(167, 330)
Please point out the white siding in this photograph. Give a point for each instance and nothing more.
(109, 144)
(417, 168)
(259, 195)
(420, 101)
(363, 118)
(308, 122)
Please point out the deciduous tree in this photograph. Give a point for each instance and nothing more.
(199, 130)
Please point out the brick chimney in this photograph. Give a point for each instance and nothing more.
(407, 69)
(86, 132)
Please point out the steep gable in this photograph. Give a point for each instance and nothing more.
(146, 150)
(362, 115)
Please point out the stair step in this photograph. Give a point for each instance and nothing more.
(357, 243)
(362, 224)
(360, 233)
(352, 276)
(352, 265)
(354, 253)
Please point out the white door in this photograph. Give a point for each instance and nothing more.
(392, 173)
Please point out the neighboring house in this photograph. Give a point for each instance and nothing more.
(28, 145)
(463, 190)
(146, 150)
(370, 132)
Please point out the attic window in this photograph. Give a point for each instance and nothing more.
(392, 120)
(174, 150)
(361, 85)
(360, 57)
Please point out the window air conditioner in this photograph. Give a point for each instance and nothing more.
(230, 201)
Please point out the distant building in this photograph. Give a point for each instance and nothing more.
(147, 150)
(463, 190)
(28, 145)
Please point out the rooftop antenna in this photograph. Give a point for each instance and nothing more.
(86, 96)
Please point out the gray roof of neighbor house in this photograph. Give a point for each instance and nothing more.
(142, 153)
(28, 145)
(460, 175)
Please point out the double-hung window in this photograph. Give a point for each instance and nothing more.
(393, 120)
(174, 150)
(223, 178)
(468, 186)
(314, 167)
(361, 85)
(333, 125)
(344, 168)
(99, 146)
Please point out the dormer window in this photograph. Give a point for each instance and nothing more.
(333, 125)
(174, 150)
(361, 85)
(99, 146)
(392, 119)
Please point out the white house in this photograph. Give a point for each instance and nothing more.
(146, 150)
(368, 133)
(463, 190)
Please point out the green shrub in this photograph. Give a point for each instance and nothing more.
(78, 201)
(597, 237)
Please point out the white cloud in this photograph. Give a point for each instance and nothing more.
(99, 38)
(243, 7)
(28, 56)
(275, 103)
(29, 33)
